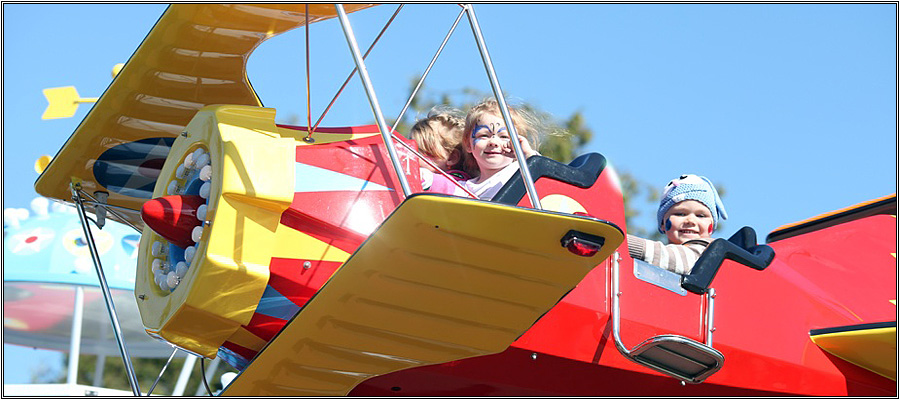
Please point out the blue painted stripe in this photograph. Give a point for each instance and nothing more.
(308, 178)
(233, 359)
(275, 305)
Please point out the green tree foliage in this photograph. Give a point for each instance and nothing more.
(562, 146)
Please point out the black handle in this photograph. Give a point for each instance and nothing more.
(740, 247)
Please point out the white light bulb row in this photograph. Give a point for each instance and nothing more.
(166, 276)
(196, 160)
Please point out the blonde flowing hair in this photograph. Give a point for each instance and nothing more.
(439, 134)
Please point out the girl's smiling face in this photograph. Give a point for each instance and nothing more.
(687, 220)
(489, 144)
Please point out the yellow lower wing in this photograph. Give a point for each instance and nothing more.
(444, 278)
(871, 346)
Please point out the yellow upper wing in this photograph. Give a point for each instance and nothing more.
(194, 56)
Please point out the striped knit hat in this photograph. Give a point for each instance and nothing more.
(690, 187)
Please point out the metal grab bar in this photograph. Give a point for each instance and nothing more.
(708, 320)
(680, 357)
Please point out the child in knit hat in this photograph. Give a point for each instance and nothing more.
(689, 211)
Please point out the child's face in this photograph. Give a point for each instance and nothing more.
(489, 143)
(687, 220)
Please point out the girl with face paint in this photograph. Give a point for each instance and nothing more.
(689, 211)
(487, 141)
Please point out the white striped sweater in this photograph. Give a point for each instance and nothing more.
(678, 258)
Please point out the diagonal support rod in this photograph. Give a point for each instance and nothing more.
(504, 109)
(373, 100)
(110, 306)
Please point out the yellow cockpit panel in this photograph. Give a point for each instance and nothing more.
(443, 278)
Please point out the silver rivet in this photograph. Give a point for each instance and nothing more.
(683, 384)
(307, 265)
(534, 356)
(184, 133)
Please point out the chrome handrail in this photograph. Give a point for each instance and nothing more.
(710, 314)
(708, 319)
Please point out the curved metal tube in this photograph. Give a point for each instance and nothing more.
(615, 306)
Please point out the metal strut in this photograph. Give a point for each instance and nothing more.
(427, 70)
(110, 306)
(504, 109)
(373, 100)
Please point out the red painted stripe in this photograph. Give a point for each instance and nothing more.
(344, 239)
(296, 283)
(342, 129)
(264, 326)
(240, 350)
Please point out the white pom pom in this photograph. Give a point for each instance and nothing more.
(201, 212)
(172, 279)
(181, 269)
(189, 254)
(11, 217)
(181, 172)
(204, 190)
(197, 233)
(205, 173)
(40, 206)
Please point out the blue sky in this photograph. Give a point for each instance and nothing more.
(791, 107)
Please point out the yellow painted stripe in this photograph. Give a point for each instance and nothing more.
(873, 349)
(244, 338)
(828, 214)
(295, 244)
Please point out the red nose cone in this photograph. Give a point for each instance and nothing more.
(173, 217)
